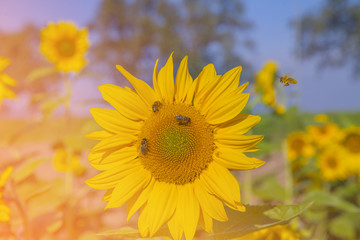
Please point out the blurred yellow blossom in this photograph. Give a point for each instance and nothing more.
(63, 161)
(325, 134)
(4, 208)
(321, 118)
(280, 109)
(350, 141)
(333, 163)
(264, 83)
(278, 232)
(300, 145)
(5, 81)
(65, 45)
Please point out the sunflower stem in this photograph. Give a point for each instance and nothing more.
(68, 93)
(21, 209)
(288, 176)
(248, 187)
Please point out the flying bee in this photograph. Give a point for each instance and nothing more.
(287, 80)
(156, 106)
(183, 120)
(143, 147)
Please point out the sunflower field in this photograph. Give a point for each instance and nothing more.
(158, 120)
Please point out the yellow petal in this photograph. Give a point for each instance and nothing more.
(128, 187)
(116, 141)
(205, 221)
(211, 205)
(99, 135)
(241, 142)
(155, 81)
(110, 178)
(227, 84)
(238, 125)
(164, 197)
(183, 81)
(219, 181)
(207, 81)
(233, 159)
(145, 92)
(188, 210)
(112, 160)
(127, 103)
(175, 228)
(165, 81)
(113, 121)
(138, 201)
(6, 79)
(226, 108)
(5, 175)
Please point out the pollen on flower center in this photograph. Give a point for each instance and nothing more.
(176, 151)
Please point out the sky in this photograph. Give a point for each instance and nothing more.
(317, 90)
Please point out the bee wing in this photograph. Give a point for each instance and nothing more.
(292, 80)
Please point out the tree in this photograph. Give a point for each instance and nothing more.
(134, 33)
(332, 34)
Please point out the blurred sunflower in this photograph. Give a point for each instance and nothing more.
(5, 81)
(325, 134)
(264, 83)
(300, 145)
(333, 164)
(167, 150)
(4, 208)
(65, 161)
(65, 45)
(278, 232)
(350, 141)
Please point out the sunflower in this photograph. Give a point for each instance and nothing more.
(264, 83)
(277, 232)
(65, 45)
(350, 141)
(167, 150)
(4, 208)
(325, 134)
(300, 145)
(64, 161)
(5, 81)
(333, 163)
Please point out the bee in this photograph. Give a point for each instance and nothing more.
(183, 120)
(287, 80)
(156, 106)
(143, 147)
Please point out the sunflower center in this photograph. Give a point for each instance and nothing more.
(66, 48)
(176, 144)
(331, 162)
(352, 143)
(298, 145)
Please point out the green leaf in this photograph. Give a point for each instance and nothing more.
(286, 212)
(326, 199)
(27, 169)
(343, 227)
(41, 73)
(255, 218)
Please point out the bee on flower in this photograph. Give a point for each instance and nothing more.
(167, 150)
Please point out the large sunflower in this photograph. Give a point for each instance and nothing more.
(167, 150)
(65, 46)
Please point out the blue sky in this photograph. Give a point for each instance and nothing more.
(317, 90)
